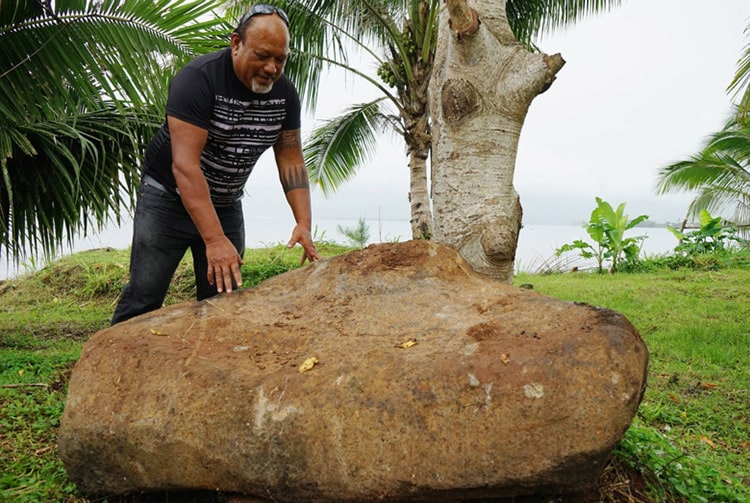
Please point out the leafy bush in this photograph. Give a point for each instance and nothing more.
(712, 237)
(710, 248)
(607, 227)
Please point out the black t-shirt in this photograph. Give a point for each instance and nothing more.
(241, 124)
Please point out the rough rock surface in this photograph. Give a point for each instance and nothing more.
(432, 382)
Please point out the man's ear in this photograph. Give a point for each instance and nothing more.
(235, 41)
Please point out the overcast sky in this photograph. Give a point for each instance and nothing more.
(643, 86)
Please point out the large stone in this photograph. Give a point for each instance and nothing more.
(500, 392)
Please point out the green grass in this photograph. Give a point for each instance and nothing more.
(692, 432)
(690, 440)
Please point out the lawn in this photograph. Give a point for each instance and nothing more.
(689, 442)
(692, 432)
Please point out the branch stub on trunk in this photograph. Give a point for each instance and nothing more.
(459, 98)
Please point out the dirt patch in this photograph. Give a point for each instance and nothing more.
(484, 331)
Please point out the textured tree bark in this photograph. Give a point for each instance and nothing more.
(415, 117)
(482, 85)
(419, 197)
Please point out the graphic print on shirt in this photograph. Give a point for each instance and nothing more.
(240, 132)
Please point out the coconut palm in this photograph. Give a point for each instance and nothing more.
(720, 171)
(82, 87)
(399, 37)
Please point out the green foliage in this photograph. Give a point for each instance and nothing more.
(672, 474)
(712, 237)
(340, 144)
(712, 247)
(319, 236)
(357, 236)
(32, 394)
(701, 262)
(33, 473)
(271, 262)
(263, 263)
(71, 143)
(607, 227)
(718, 173)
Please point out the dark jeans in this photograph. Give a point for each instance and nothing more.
(162, 233)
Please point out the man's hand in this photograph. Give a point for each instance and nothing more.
(223, 264)
(301, 235)
(293, 177)
(223, 260)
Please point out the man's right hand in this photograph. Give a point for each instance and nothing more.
(223, 260)
(223, 264)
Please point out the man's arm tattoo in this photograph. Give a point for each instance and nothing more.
(288, 139)
(294, 177)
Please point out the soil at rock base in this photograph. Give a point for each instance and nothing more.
(618, 484)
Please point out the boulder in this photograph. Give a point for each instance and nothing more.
(393, 373)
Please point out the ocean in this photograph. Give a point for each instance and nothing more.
(535, 253)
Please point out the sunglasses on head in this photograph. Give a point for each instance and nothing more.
(263, 9)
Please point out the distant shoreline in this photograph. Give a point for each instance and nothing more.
(536, 244)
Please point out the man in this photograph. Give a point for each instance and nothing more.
(223, 111)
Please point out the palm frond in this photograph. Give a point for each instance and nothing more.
(82, 87)
(740, 85)
(81, 173)
(335, 149)
(732, 203)
(719, 173)
(322, 32)
(120, 49)
(530, 18)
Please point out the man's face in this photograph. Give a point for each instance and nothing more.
(259, 60)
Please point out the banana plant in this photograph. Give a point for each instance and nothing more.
(607, 227)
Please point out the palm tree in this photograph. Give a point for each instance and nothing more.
(400, 37)
(720, 171)
(82, 87)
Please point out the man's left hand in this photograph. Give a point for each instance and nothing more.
(301, 235)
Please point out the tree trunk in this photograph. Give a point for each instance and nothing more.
(419, 197)
(482, 85)
(415, 117)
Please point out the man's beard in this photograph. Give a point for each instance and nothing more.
(261, 88)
